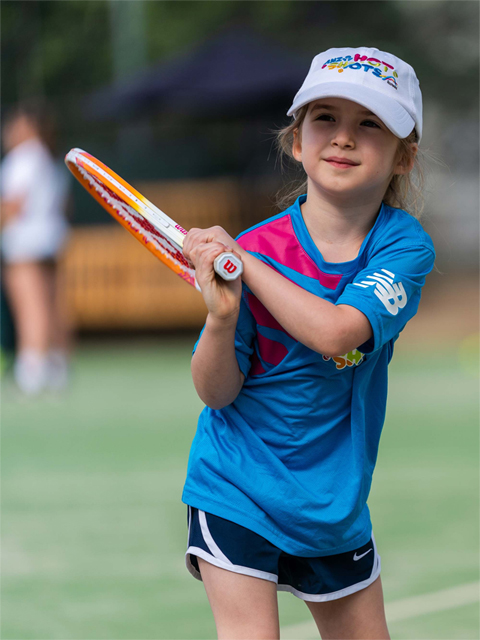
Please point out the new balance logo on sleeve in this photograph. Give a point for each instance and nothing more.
(391, 293)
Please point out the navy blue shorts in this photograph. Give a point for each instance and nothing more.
(230, 546)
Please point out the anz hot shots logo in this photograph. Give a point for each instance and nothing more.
(364, 64)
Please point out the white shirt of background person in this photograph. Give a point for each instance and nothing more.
(40, 229)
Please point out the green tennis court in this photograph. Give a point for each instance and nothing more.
(94, 529)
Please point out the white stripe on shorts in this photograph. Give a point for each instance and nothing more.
(218, 558)
(210, 542)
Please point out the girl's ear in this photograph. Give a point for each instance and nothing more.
(297, 145)
(406, 160)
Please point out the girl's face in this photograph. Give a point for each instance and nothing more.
(335, 129)
(19, 129)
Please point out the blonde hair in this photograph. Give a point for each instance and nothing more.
(404, 191)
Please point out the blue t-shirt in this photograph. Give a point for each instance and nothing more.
(292, 457)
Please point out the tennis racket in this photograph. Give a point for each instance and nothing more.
(152, 227)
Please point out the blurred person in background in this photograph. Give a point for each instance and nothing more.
(34, 229)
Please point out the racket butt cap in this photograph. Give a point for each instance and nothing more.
(228, 266)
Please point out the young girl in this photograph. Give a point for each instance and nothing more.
(292, 363)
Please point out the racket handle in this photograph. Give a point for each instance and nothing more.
(228, 266)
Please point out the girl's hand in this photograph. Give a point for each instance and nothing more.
(222, 297)
(195, 236)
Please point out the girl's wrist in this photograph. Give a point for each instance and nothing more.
(220, 324)
(247, 260)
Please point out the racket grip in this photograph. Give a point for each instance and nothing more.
(228, 266)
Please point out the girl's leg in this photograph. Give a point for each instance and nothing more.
(360, 616)
(60, 326)
(243, 606)
(27, 289)
(60, 331)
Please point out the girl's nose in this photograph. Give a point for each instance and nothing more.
(343, 138)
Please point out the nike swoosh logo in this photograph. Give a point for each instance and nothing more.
(355, 557)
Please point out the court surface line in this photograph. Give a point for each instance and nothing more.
(402, 609)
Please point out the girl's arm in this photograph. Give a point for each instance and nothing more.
(10, 209)
(215, 371)
(320, 325)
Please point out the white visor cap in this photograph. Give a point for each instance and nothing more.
(375, 79)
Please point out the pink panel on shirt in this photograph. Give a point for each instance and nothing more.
(257, 367)
(271, 351)
(277, 240)
(262, 316)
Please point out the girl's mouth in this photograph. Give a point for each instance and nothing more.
(341, 163)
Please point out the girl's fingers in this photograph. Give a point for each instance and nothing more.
(193, 238)
(205, 236)
(204, 254)
(190, 242)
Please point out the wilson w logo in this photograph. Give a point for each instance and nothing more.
(392, 294)
(230, 267)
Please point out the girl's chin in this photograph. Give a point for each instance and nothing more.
(342, 189)
(337, 189)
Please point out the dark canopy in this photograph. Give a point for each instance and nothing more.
(233, 73)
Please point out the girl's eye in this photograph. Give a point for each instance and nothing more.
(327, 117)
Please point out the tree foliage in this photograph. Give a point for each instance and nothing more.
(63, 49)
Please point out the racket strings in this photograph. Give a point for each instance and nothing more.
(140, 225)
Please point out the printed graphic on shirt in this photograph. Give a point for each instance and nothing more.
(350, 359)
(376, 67)
(392, 294)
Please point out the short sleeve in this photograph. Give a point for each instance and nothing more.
(387, 290)
(17, 176)
(244, 336)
